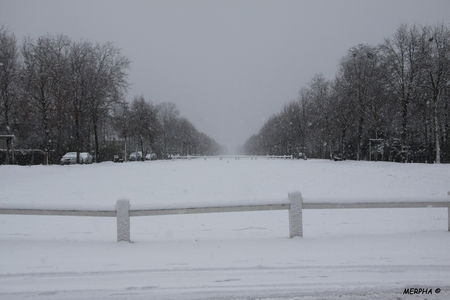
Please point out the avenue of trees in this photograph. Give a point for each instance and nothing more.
(387, 102)
(60, 95)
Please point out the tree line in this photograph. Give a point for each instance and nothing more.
(387, 102)
(60, 95)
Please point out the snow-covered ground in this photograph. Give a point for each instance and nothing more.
(357, 254)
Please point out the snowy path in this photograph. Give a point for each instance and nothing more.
(266, 283)
(353, 265)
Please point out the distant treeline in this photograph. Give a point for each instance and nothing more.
(61, 95)
(387, 102)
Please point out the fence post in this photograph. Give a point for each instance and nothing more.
(295, 214)
(448, 212)
(123, 220)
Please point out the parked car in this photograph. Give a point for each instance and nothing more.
(337, 157)
(135, 156)
(71, 158)
(150, 156)
(302, 155)
(117, 158)
(86, 158)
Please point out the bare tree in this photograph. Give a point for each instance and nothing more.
(358, 70)
(144, 122)
(80, 61)
(122, 123)
(106, 84)
(8, 80)
(168, 115)
(401, 64)
(39, 77)
(437, 63)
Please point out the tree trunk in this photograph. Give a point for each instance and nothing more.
(77, 134)
(436, 134)
(44, 107)
(403, 135)
(8, 150)
(125, 149)
(142, 147)
(445, 133)
(8, 146)
(360, 128)
(95, 139)
(425, 131)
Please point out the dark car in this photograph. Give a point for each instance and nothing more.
(117, 158)
(301, 155)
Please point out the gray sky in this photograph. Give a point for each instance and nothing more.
(228, 65)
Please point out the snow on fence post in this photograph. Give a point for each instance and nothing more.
(448, 212)
(123, 220)
(295, 214)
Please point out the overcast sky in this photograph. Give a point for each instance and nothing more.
(228, 65)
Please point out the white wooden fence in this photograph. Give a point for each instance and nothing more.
(236, 157)
(294, 204)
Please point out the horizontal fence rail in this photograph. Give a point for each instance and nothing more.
(236, 157)
(294, 204)
(331, 205)
(58, 212)
(207, 209)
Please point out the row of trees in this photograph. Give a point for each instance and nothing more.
(387, 102)
(61, 95)
(142, 126)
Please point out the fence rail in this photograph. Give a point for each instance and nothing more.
(236, 157)
(294, 204)
(207, 209)
(331, 205)
(58, 212)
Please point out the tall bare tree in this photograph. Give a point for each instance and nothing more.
(106, 84)
(168, 115)
(39, 78)
(437, 73)
(8, 81)
(144, 122)
(358, 70)
(401, 63)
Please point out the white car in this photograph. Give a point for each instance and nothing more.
(71, 158)
(86, 158)
(150, 156)
(135, 156)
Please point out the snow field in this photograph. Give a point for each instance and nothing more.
(358, 253)
(217, 181)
